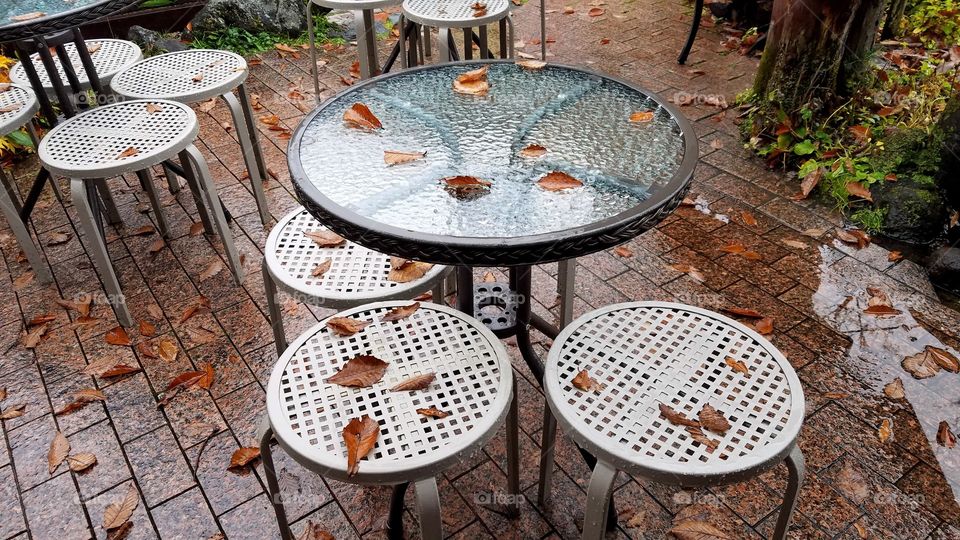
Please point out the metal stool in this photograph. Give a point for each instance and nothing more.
(366, 34)
(474, 384)
(109, 56)
(647, 354)
(447, 14)
(23, 105)
(198, 75)
(357, 275)
(130, 136)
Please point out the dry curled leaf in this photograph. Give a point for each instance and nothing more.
(854, 236)
(859, 190)
(533, 151)
(197, 78)
(921, 365)
(557, 181)
(3, 394)
(623, 251)
(894, 389)
(943, 358)
(167, 349)
(346, 326)
(473, 82)
(675, 417)
(689, 270)
(242, 457)
(697, 530)
(742, 312)
(466, 187)
(118, 336)
(945, 436)
(27, 16)
(360, 372)
(81, 305)
(641, 117)
(80, 399)
(130, 151)
(147, 328)
(359, 435)
(15, 411)
(119, 370)
(325, 238)
(153, 108)
(32, 338)
(737, 365)
(764, 326)
(322, 268)
(713, 419)
(212, 269)
(401, 312)
(82, 461)
(418, 382)
(396, 157)
(583, 381)
(885, 431)
(199, 305)
(405, 270)
(313, 531)
(116, 514)
(59, 448)
(359, 116)
(433, 412)
(796, 244)
(894, 256)
(698, 435)
(532, 65)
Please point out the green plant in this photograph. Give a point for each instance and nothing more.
(935, 22)
(870, 219)
(247, 43)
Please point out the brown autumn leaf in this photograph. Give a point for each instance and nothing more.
(58, 238)
(153, 108)
(401, 312)
(199, 305)
(894, 389)
(269, 119)
(854, 236)
(10, 108)
(533, 151)
(243, 457)
(568, 10)
(325, 238)
(167, 349)
(859, 190)
(212, 269)
(764, 326)
(346, 326)
(734, 247)
(130, 151)
(748, 218)
(147, 328)
(322, 268)
(675, 417)
(943, 358)
(713, 419)
(282, 47)
(82, 461)
(119, 370)
(836, 395)
(796, 244)
(881, 310)
(313, 531)
(945, 436)
(922, 365)
(532, 65)
(118, 336)
(885, 431)
(359, 435)
(42, 319)
(489, 277)
(623, 251)
(25, 279)
(15, 411)
(80, 399)
(3, 394)
(405, 270)
(32, 338)
(418, 382)
(641, 117)
(145, 230)
(583, 381)
(557, 181)
(810, 181)
(737, 365)
(894, 256)
(185, 380)
(197, 77)
(742, 312)
(396, 157)
(465, 186)
(59, 448)
(433, 412)
(81, 305)
(27, 16)
(698, 435)
(479, 74)
(697, 530)
(196, 228)
(360, 372)
(116, 514)
(689, 270)
(359, 116)
(147, 350)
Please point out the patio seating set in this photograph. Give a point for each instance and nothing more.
(663, 391)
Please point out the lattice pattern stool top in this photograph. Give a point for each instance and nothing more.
(17, 107)
(109, 56)
(473, 383)
(644, 354)
(117, 138)
(356, 274)
(454, 13)
(185, 76)
(356, 4)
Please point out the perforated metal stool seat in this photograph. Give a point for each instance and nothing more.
(473, 383)
(647, 354)
(197, 75)
(109, 56)
(130, 136)
(18, 104)
(357, 275)
(447, 14)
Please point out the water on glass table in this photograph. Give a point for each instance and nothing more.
(582, 120)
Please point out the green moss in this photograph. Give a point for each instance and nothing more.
(912, 152)
(870, 219)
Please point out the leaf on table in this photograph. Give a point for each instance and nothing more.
(359, 435)
(81, 305)
(479, 9)
(118, 336)
(167, 349)
(922, 365)
(346, 326)
(945, 436)
(698, 435)
(583, 381)
(713, 419)
(82, 461)
(418, 382)
(689, 270)
(894, 389)
(117, 513)
(433, 412)
(675, 417)
(473, 82)
(697, 530)
(742, 312)
(396, 157)
(748, 218)
(325, 238)
(242, 457)
(15, 411)
(533, 151)
(424, 297)
(119, 370)
(595, 12)
(532, 65)
(212, 269)
(885, 431)
(641, 117)
(10, 108)
(27, 16)
(359, 116)
(147, 328)
(859, 190)
(737, 365)
(401, 312)
(405, 270)
(360, 372)
(130, 151)
(197, 77)
(153, 108)
(943, 358)
(764, 326)
(322, 268)
(466, 186)
(623, 251)
(59, 448)
(557, 181)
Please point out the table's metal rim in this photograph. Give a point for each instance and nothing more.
(521, 250)
(51, 23)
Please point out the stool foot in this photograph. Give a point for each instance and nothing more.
(598, 500)
(273, 309)
(273, 486)
(148, 186)
(428, 506)
(796, 468)
(513, 455)
(395, 519)
(548, 441)
(10, 212)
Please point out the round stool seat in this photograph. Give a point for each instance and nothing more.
(122, 137)
(454, 13)
(185, 76)
(356, 274)
(17, 107)
(354, 5)
(109, 56)
(644, 354)
(473, 384)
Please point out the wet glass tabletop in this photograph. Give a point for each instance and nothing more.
(581, 119)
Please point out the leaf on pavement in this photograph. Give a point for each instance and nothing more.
(242, 457)
(118, 336)
(943, 358)
(894, 389)
(59, 448)
(82, 461)
(118, 370)
(697, 530)
(116, 514)
(921, 365)
(885, 431)
(742, 312)
(945, 436)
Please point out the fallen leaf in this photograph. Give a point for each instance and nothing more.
(42, 319)
(698, 435)
(212, 269)
(322, 268)
(533, 65)
(325, 238)
(734, 247)
(894, 256)
(81, 305)
(82, 461)
(675, 417)
(395, 157)
(153, 108)
(359, 116)
(557, 181)
(27, 16)
(943, 358)
(359, 435)
(894, 389)
(742, 312)
(433, 412)
(59, 448)
(196, 229)
(697, 530)
(737, 365)
(185, 380)
(533, 151)
(713, 419)
(80, 399)
(465, 186)
(796, 244)
(810, 181)
(945, 437)
(360, 372)
(623, 251)
(595, 12)
(401, 312)
(147, 328)
(854, 236)
(473, 82)
(418, 382)
(690, 270)
(58, 238)
(32, 338)
(157, 245)
(284, 48)
(859, 190)
(764, 326)
(881, 310)
(145, 230)
(200, 304)
(885, 431)
(242, 457)
(748, 218)
(130, 151)
(583, 381)
(118, 336)
(568, 10)
(118, 370)
(197, 78)
(405, 270)
(489, 277)
(313, 531)
(116, 514)
(3, 394)
(15, 411)
(167, 349)
(346, 326)
(641, 117)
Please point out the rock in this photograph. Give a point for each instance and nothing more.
(285, 17)
(915, 211)
(944, 267)
(342, 23)
(949, 174)
(152, 42)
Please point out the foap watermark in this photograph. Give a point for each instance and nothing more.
(683, 98)
(498, 498)
(686, 498)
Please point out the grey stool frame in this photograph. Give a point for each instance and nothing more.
(647, 354)
(366, 34)
(448, 14)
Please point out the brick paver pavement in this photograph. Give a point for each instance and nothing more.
(857, 486)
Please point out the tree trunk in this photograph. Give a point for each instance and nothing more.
(813, 48)
(891, 28)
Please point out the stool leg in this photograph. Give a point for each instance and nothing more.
(566, 273)
(502, 24)
(191, 179)
(273, 486)
(548, 441)
(513, 455)
(173, 183)
(428, 506)
(147, 186)
(12, 195)
(213, 206)
(81, 191)
(796, 468)
(254, 134)
(426, 41)
(511, 39)
(11, 213)
(366, 41)
(403, 45)
(598, 500)
(443, 44)
(109, 205)
(32, 132)
(246, 147)
(276, 317)
(438, 292)
(314, 71)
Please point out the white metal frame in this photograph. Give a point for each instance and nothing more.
(111, 57)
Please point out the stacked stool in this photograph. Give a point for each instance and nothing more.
(462, 14)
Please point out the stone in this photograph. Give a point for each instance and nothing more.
(949, 174)
(284, 17)
(153, 42)
(944, 267)
(916, 211)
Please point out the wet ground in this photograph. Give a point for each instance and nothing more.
(861, 483)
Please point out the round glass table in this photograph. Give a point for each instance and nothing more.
(26, 19)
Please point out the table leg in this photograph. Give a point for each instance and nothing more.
(23, 53)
